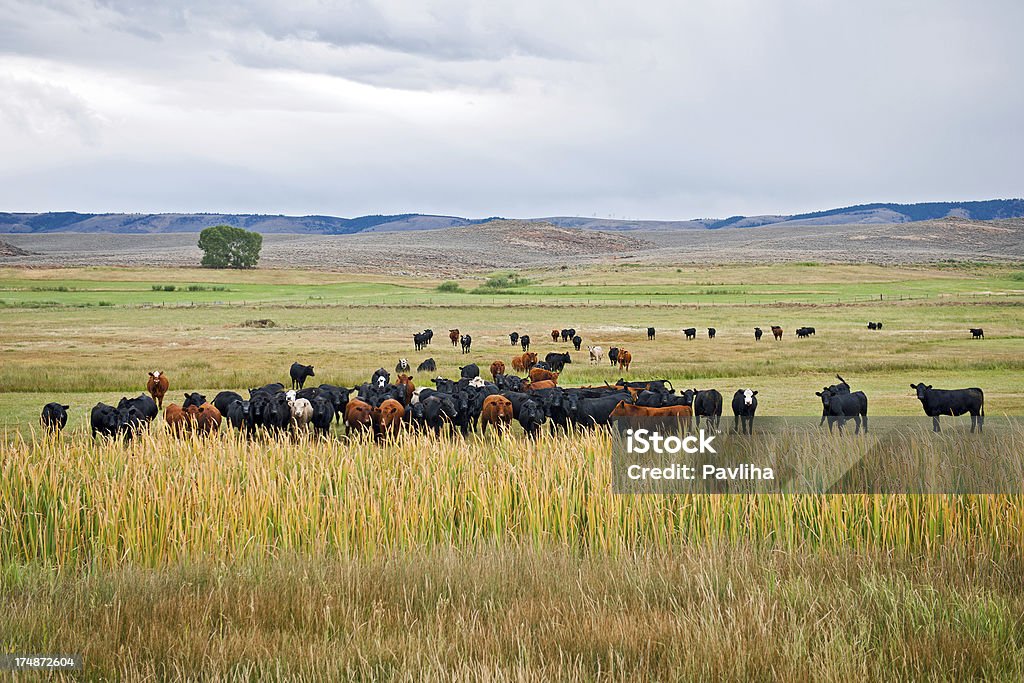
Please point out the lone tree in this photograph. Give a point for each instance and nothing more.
(225, 246)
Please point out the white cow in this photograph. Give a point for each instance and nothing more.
(596, 353)
(302, 413)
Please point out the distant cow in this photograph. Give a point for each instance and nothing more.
(625, 358)
(840, 407)
(690, 332)
(802, 332)
(496, 412)
(596, 353)
(420, 340)
(453, 335)
(777, 332)
(555, 334)
(157, 386)
(497, 368)
(711, 333)
(427, 366)
(613, 355)
(744, 405)
(514, 338)
(954, 402)
(977, 333)
(524, 342)
(54, 416)
(577, 341)
(874, 326)
(757, 334)
(299, 374)
(650, 333)
(558, 361)
(467, 342)
(469, 371)
(402, 365)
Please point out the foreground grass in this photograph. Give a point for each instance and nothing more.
(715, 612)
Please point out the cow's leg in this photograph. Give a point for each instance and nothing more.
(864, 419)
(736, 423)
(935, 425)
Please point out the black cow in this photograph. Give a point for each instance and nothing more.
(977, 333)
(466, 341)
(323, 414)
(690, 332)
(238, 414)
(380, 378)
(403, 365)
(338, 396)
(224, 399)
(524, 341)
(711, 333)
(437, 410)
(954, 402)
(840, 407)
(527, 411)
(878, 325)
(802, 332)
(757, 334)
(650, 333)
(54, 416)
(557, 361)
(842, 388)
(143, 404)
(268, 388)
(809, 330)
(744, 405)
(195, 399)
(429, 333)
(613, 355)
(565, 335)
(299, 374)
(469, 371)
(577, 341)
(427, 366)
(659, 399)
(514, 338)
(420, 340)
(588, 412)
(107, 420)
(706, 403)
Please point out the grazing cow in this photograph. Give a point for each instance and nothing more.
(420, 341)
(554, 335)
(524, 341)
(224, 399)
(302, 413)
(625, 358)
(588, 412)
(627, 409)
(299, 374)
(540, 385)
(54, 416)
(496, 412)
(403, 365)
(744, 405)
(537, 375)
(711, 332)
(514, 338)
(777, 332)
(650, 334)
(194, 399)
(497, 368)
(613, 355)
(323, 415)
(157, 386)
(577, 341)
(204, 419)
(596, 354)
(706, 403)
(954, 402)
(977, 333)
(454, 336)
(809, 330)
(358, 417)
(469, 371)
(691, 333)
(839, 407)
(387, 419)
(558, 361)
(757, 334)
(467, 342)
(427, 366)
(143, 404)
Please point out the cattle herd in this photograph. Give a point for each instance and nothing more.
(384, 408)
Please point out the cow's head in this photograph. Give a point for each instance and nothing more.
(921, 389)
(748, 397)
(155, 374)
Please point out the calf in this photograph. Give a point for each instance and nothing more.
(497, 368)
(744, 405)
(613, 355)
(157, 386)
(596, 353)
(977, 333)
(54, 416)
(524, 342)
(497, 412)
(577, 341)
(299, 374)
(427, 366)
(711, 333)
(757, 334)
(625, 358)
(840, 407)
(777, 332)
(953, 402)
(691, 333)
(650, 334)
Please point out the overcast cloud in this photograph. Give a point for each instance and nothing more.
(664, 109)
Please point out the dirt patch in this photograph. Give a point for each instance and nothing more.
(11, 250)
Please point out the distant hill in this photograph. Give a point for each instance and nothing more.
(153, 223)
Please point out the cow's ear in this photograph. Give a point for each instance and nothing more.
(928, 386)
(913, 386)
(754, 394)
(66, 407)
(151, 374)
(817, 393)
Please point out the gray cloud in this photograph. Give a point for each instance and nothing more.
(662, 110)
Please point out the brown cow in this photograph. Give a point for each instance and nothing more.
(539, 374)
(625, 409)
(524, 362)
(157, 386)
(777, 331)
(625, 358)
(497, 412)
(454, 336)
(406, 381)
(537, 386)
(175, 418)
(497, 368)
(555, 335)
(387, 419)
(204, 419)
(358, 416)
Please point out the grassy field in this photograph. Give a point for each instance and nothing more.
(496, 558)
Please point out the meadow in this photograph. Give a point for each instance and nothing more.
(493, 557)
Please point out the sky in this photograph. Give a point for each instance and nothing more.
(666, 109)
